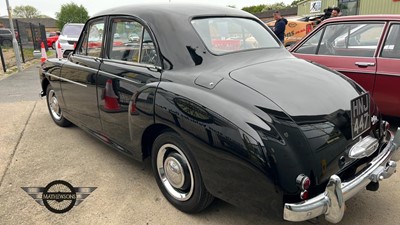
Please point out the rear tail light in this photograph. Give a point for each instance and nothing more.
(308, 28)
(304, 183)
(304, 195)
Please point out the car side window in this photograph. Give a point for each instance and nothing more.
(347, 40)
(131, 42)
(391, 48)
(311, 45)
(93, 40)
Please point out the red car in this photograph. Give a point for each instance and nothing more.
(365, 49)
(52, 37)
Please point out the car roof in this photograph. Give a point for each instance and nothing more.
(363, 18)
(180, 10)
(170, 23)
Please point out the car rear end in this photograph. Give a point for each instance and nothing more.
(69, 37)
(328, 143)
(368, 160)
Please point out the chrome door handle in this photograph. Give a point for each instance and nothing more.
(364, 64)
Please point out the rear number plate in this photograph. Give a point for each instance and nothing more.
(360, 115)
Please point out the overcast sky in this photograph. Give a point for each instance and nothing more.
(50, 7)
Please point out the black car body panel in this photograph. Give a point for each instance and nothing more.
(253, 119)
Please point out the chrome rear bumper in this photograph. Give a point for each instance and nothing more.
(331, 203)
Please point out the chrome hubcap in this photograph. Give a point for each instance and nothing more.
(175, 172)
(54, 106)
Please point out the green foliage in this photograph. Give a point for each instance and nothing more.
(254, 8)
(275, 6)
(265, 7)
(295, 2)
(71, 13)
(26, 11)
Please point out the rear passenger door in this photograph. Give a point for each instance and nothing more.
(387, 84)
(349, 48)
(79, 77)
(127, 82)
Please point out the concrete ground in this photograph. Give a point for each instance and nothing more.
(34, 152)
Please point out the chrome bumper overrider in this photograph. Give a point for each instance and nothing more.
(331, 203)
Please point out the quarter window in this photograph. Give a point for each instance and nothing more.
(345, 40)
(391, 49)
(132, 42)
(93, 40)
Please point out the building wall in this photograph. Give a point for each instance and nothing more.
(365, 6)
(379, 7)
(304, 7)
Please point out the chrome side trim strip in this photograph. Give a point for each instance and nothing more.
(103, 73)
(63, 79)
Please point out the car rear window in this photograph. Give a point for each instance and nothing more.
(230, 34)
(72, 30)
(5, 32)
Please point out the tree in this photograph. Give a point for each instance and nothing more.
(71, 13)
(275, 6)
(26, 11)
(254, 9)
(264, 7)
(295, 2)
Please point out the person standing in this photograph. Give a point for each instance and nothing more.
(335, 12)
(280, 26)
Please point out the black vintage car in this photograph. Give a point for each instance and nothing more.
(222, 110)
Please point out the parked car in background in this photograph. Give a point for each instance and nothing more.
(52, 38)
(364, 48)
(5, 37)
(220, 117)
(69, 36)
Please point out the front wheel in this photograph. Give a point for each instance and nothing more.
(178, 175)
(53, 46)
(55, 109)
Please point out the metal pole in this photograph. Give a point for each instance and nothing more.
(19, 41)
(15, 43)
(2, 60)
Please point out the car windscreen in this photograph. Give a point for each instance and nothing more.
(72, 30)
(230, 34)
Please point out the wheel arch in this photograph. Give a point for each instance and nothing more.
(150, 135)
(45, 83)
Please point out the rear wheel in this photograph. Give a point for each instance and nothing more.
(53, 46)
(54, 108)
(178, 175)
